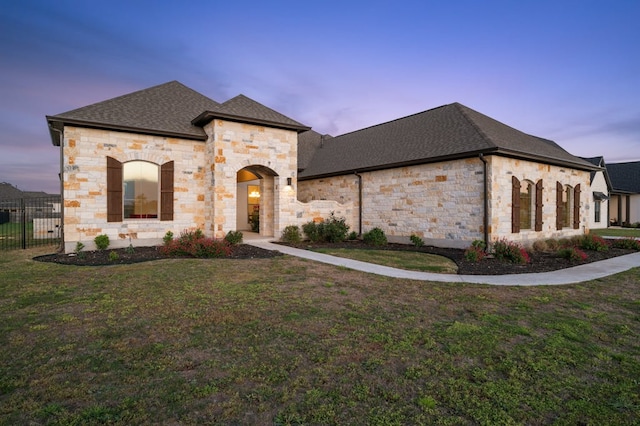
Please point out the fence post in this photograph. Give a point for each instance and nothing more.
(23, 222)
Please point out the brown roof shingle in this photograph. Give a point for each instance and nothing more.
(166, 109)
(447, 132)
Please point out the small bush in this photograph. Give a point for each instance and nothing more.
(416, 240)
(113, 256)
(573, 254)
(332, 229)
(312, 231)
(474, 254)
(130, 249)
(593, 242)
(195, 244)
(479, 244)
(101, 241)
(234, 237)
(627, 243)
(168, 237)
(79, 247)
(291, 234)
(335, 229)
(540, 246)
(375, 237)
(353, 235)
(511, 252)
(552, 244)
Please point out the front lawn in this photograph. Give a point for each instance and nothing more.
(288, 341)
(617, 232)
(409, 260)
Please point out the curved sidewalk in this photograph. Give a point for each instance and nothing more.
(576, 274)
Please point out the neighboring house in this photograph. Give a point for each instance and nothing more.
(168, 159)
(600, 190)
(624, 205)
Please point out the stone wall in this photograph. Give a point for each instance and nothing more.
(85, 185)
(440, 202)
(501, 171)
(443, 202)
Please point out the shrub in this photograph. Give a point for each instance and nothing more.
(474, 254)
(540, 246)
(552, 244)
(511, 252)
(627, 243)
(416, 240)
(353, 235)
(195, 244)
(101, 241)
(113, 256)
(291, 234)
(79, 247)
(234, 237)
(573, 254)
(479, 244)
(335, 229)
(593, 242)
(375, 237)
(130, 249)
(332, 229)
(168, 237)
(312, 231)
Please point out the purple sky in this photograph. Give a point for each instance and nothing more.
(561, 69)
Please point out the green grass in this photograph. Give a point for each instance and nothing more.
(617, 232)
(291, 341)
(11, 237)
(410, 260)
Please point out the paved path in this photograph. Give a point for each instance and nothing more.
(576, 274)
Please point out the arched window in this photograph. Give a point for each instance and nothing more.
(527, 197)
(526, 205)
(139, 189)
(567, 206)
(141, 192)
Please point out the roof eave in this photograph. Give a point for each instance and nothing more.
(207, 116)
(59, 123)
(471, 154)
(547, 160)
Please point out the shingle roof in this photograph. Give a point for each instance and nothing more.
(308, 143)
(244, 109)
(447, 132)
(625, 177)
(166, 109)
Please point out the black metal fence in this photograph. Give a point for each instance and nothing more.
(30, 222)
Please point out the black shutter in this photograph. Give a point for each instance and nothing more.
(539, 205)
(515, 205)
(166, 191)
(576, 207)
(114, 190)
(558, 206)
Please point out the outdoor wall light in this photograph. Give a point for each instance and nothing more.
(288, 181)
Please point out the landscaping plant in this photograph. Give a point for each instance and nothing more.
(195, 244)
(101, 242)
(234, 237)
(375, 237)
(416, 240)
(291, 234)
(510, 251)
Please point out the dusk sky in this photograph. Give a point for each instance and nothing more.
(562, 70)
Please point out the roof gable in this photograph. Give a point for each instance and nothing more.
(166, 109)
(625, 177)
(447, 132)
(244, 109)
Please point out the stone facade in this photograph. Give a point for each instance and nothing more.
(501, 170)
(443, 202)
(85, 185)
(205, 182)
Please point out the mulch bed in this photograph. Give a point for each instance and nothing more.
(540, 262)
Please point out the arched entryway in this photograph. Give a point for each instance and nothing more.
(255, 200)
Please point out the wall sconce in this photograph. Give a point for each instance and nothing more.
(288, 181)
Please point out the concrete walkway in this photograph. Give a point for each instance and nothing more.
(576, 274)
